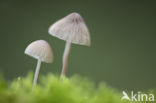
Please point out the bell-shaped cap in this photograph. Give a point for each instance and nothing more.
(71, 28)
(41, 50)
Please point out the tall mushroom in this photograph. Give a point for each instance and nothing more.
(72, 29)
(41, 51)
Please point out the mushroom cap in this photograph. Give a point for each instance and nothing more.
(40, 49)
(71, 28)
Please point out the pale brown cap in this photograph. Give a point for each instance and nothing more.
(71, 28)
(40, 49)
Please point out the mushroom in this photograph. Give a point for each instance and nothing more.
(41, 51)
(72, 29)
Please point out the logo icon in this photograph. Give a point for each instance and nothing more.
(125, 96)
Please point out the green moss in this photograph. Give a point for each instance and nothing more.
(51, 90)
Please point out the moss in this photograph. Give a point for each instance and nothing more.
(51, 90)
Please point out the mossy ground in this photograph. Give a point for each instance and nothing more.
(51, 90)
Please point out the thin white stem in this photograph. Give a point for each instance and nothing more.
(37, 72)
(65, 58)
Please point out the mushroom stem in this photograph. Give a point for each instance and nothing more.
(37, 72)
(65, 59)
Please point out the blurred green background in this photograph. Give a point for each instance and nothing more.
(123, 40)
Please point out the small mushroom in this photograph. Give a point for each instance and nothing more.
(41, 51)
(72, 29)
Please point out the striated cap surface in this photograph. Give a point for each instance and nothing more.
(71, 28)
(40, 49)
